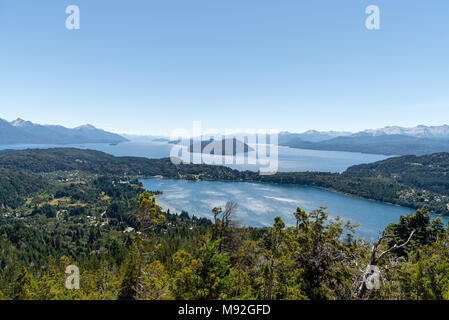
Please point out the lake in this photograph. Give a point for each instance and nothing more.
(289, 159)
(259, 203)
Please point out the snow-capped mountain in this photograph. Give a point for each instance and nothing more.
(420, 131)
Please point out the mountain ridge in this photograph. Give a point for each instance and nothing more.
(420, 131)
(20, 131)
(390, 140)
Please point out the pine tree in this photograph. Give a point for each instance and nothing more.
(24, 286)
(148, 219)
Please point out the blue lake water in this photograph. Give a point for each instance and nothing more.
(289, 159)
(259, 203)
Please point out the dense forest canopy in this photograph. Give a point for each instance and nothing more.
(14, 185)
(182, 257)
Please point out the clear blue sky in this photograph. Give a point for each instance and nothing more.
(151, 66)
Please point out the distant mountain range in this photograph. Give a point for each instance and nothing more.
(312, 135)
(25, 132)
(391, 140)
(434, 132)
(145, 138)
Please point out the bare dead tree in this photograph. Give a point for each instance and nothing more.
(223, 223)
(374, 261)
(229, 212)
(226, 222)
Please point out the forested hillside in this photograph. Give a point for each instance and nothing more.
(179, 257)
(15, 185)
(66, 207)
(411, 181)
(96, 162)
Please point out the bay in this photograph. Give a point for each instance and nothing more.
(259, 203)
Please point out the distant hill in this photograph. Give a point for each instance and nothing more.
(217, 147)
(25, 132)
(411, 181)
(430, 172)
(383, 144)
(145, 138)
(96, 162)
(311, 136)
(391, 140)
